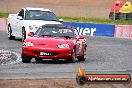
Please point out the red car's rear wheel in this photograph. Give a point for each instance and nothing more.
(83, 57)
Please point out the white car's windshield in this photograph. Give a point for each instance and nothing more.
(40, 15)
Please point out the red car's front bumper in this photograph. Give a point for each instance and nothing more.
(56, 53)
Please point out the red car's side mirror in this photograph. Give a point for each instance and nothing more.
(30, 34)
(81, 37)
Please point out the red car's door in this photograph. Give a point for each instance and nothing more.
(79, 46)
(78, 42)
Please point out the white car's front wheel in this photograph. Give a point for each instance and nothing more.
(10, 33)
(23, 34)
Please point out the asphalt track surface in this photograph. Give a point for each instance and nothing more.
(104, 55)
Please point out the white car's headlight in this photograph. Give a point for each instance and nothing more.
(33, 27)
(63, 46)
(28, 44)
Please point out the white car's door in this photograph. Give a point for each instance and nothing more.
(19, 27)
(13, 24)
(19, 23)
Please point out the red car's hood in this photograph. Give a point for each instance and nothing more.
(50, 40)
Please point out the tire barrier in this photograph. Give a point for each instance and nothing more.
(114, 13)
(120, 11)
(126, 11)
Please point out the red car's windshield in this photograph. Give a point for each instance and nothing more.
(55, 32)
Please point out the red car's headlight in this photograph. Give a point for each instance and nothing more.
(28, 44)
(63, 46)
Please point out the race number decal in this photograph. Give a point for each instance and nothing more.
(80, 47)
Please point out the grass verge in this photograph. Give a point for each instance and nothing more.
(96, 20)
(3, 15)
(86, 20)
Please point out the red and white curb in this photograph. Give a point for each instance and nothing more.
(3, 24)
(9, 57)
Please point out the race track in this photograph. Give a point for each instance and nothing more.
(105, 55)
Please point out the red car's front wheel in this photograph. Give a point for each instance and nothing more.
(25, 59)
(73, 57)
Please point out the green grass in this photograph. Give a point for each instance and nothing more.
(96, 20)
(3, 15)
(86, 20)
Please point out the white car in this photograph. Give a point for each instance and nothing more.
(28, 20)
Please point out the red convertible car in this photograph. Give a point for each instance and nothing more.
(54, 42)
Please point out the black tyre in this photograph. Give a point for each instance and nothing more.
(23, 34)
(38, 59)
(111, 16)
(25, 59)
(114, 16)
(129, 16)
(117, 16)
(10, 33)
(72, 59)
(123, 16)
